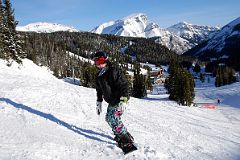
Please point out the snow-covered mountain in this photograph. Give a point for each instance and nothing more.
(137, 25)
(173, 42)
(130, 26)
(178, 38)
(195, 34)
(43, 118)
(44, 27)
(224, 43)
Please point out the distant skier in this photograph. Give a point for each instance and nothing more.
(112, 86)
(218, 101)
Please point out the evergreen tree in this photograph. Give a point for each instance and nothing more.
(148, 81)
(202, 78)
(173, 80)
(11, 38)
(88, 75)
(224, 75)
(218, 80)
(188, 88)
(186, 64)
(180, 85)
(139, 83)
(85, 75)
(2, 31)
(197, 68)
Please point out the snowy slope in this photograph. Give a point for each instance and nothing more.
(45, 118)
(44, 27)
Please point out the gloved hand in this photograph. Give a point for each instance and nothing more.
(99, 107)
(123, 104)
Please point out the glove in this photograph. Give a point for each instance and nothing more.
(99, 107)
(123, 104)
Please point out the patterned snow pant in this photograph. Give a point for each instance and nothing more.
(113, 118)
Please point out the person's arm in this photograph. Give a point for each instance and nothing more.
(99, 98)
(99, 92)
(121, 81)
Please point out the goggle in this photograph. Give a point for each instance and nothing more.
(100, 60)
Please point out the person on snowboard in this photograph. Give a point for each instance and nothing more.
(112, 86)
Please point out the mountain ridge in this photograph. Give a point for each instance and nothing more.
(178, 38)
(137, 25)
(217, 41)
(45, 27)
(195, 34)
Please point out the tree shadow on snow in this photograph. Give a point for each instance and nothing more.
(84, 132)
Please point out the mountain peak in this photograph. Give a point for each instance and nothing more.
(183, 23)
(137, 17)
(45, 27)
(131, 26)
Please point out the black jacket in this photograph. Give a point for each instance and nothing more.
(111, 84)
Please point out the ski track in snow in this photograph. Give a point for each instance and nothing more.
(46, 118)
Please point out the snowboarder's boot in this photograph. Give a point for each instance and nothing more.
(118, 138)
(125, 142)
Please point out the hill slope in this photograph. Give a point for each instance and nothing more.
(46, 118)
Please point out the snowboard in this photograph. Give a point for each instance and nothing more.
(129, 149)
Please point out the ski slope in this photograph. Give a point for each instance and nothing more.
(44, 118)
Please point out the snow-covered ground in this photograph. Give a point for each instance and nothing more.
(44, 118)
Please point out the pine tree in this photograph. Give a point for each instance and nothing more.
(11, 38)
(218, 80)
(202, 78)
(88, 75)
(139, 83)
(173, 80)
(197, 68)
(224, 75)
(85, 75)
(149, 82)
(2, 27)
(180, 85)
(188, 88)
(136, 81)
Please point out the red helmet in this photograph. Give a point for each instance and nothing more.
(100, 57)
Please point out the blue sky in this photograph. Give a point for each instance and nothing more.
(87, 14)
